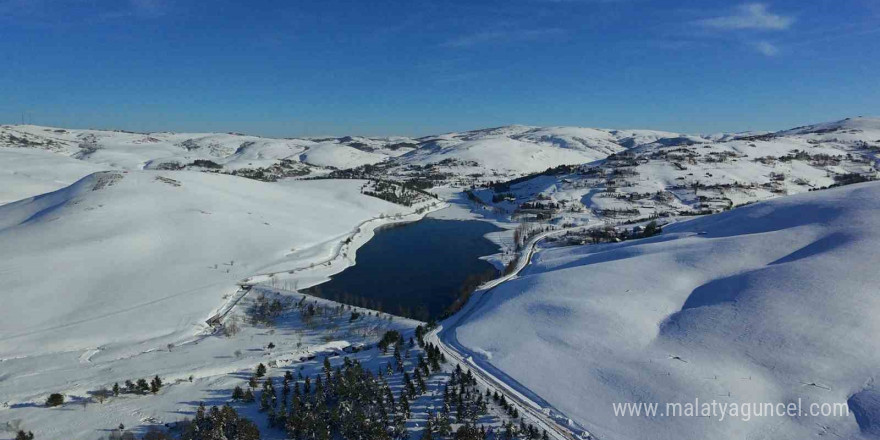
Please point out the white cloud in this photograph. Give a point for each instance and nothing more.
(766, 48)
(750, 16)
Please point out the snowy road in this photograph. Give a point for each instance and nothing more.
(538, 410)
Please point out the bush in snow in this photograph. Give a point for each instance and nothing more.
(55, 399)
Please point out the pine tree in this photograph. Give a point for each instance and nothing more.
(264, 400)
(508, 431)
(219, 423)
(327, 368)
(285, 390)
(143, 386)
(404, 404)
(155, 385)
(319, 388)
(443, 426)
(397, 359)
(116, 389)
(428, 434)
(422, 387)
(389, 397)
(469, 432)
(261, 370)
(271, 416)
(400, 428)
(435, 363)
(420, 335)
(237, 393)
(410, 388)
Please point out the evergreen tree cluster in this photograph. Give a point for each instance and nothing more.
(348, 401)
(395, 192)
(141, 386)
(222, 423)
(462, 398)
(510, 430)
(391, 337)
(264, 311)
(247, 396)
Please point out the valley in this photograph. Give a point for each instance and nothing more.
(523, 254)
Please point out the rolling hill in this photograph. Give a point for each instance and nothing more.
(687, 175)
(151, 255)
(774, 302)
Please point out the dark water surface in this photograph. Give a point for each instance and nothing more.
(415, 269)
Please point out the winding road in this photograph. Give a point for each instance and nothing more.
(541, 413)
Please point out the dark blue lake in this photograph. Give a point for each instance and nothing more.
(415, 269)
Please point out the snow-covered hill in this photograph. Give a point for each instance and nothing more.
(515, 149)
(144, 237)
(632, 173)
(669, 176)
(26, 172)
(508, 152)
(475, 156)
(228, 152)
(774, 302)
(123, 257)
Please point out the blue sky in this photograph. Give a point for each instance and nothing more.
(287, 68)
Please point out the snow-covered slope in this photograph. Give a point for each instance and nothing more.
(489, 154)
(123, 257)
(849, 129)
(26, 172)
(686, 174)
(775, 302)
(229, 151)
(512, 151)
(102, 273)
(665, 166)
(516, 149)
(203, 369)
(335, 155)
